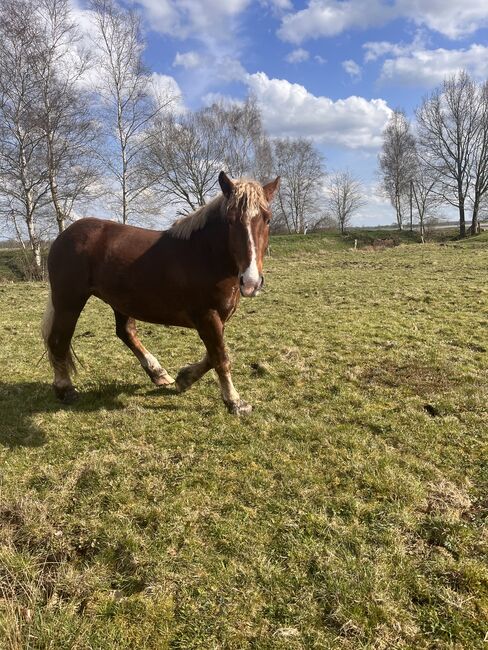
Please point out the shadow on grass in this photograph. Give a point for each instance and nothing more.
(21, 402)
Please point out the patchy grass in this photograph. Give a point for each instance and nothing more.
(348, 511)
(333, 240)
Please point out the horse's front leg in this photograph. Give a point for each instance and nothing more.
(211, 331)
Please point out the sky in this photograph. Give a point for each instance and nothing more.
(328, 70)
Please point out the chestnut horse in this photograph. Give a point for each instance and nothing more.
(190, 276)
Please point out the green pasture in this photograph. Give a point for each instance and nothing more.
(348, 511)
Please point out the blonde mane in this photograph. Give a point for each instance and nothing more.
(247, 199)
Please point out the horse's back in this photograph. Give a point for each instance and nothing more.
(80, 257)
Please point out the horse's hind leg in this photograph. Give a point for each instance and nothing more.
(192, 373)
(125, 327)
(57, 329)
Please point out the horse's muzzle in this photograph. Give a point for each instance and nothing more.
(250, 292)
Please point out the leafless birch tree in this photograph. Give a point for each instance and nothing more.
(23, 173)
(301, 168)
(127, 104)
(64, 113)
(397, 162)
(345, 197)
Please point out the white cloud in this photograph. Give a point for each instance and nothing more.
(298, 56)
(290, 110)
(203, 19)
(166, 90)
(377, 49)
(429, 67)
(187, 60)
(215, 28)
(320, 59)
(322, 18)
(228, 69)
(277, 5)
(352, 69)
(452, 18)
(331, 17)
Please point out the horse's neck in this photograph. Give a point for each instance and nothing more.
(212, 244)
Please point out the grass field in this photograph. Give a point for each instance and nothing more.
(348, 511)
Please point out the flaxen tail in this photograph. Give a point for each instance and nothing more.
(46, 328)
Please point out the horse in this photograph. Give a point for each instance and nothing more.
(191, 275)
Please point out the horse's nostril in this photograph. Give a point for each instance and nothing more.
(241, 280)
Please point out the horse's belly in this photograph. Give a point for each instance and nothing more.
(161, 307)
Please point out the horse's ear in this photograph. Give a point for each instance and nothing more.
(226, 185)
(270, 189)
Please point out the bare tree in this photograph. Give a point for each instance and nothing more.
(448, 129)
(426, 196)
(23, 173)
(185, 156)
(127, 104)
(301, 168)
(480, 162)
(397, 162)
(246, 147)
(345, 197)
(188, 151)
(64, 111)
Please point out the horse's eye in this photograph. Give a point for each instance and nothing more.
(267, 218)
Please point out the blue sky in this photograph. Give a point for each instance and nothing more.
(329, 70)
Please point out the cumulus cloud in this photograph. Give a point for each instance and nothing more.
(453, 19)
(377, 49)
(330, 17)
(298, 56)
(429, 67)
(352, 69)
(290, 110)
(193, 18)
(320, 59)
(167, 92)
(187, 60)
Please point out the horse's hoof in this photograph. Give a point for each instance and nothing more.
(183, 380)
(66, 394)
(238, 408)
(163, 379)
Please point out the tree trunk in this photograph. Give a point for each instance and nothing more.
(462, 219)
(474, 219)
(53, 183)
(399, 216)
(35, 245)
(411, 205)
(60, 216)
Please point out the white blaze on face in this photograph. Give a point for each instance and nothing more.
(250, 277)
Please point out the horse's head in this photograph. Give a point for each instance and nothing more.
(249, 215)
